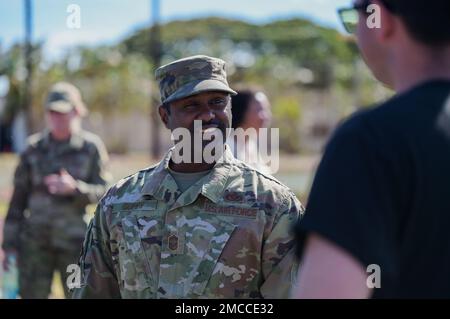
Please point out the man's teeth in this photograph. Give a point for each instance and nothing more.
(209, 129)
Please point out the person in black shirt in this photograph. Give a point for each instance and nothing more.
(377, 222)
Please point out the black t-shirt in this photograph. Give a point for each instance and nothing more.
(382, 192)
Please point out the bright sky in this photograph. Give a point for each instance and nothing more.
(107, 21)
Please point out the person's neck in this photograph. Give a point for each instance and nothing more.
(190, 167)
(419, 66)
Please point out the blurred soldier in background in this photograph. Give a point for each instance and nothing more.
(59, 174)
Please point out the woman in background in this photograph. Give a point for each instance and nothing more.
(250, 110)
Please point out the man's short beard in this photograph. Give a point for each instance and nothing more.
(195, 145)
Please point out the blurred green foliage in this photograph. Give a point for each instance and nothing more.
(287, 114)
(286, 58)
(299, 42)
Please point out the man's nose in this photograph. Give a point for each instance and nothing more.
(206, 114)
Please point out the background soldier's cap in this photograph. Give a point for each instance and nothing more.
(190, 76)
(63, 97)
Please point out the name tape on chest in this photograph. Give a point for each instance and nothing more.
(230, 210)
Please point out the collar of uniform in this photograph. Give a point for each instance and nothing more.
(161, 182)
(215, 186)
(75, 142)
(45, 142)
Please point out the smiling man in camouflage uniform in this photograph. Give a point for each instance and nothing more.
(61, 171)
(192, 230)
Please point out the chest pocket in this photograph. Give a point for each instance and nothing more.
(208, 249)
(139, 246)
(186, 273)
(79, 165)
(39, 168)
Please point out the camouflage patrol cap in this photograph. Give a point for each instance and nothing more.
(190, 76)
(63, 97)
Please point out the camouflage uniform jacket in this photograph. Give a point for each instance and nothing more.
(34, 213)
(227, 236)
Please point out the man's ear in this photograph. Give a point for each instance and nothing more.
(164, 115)
(230, 115)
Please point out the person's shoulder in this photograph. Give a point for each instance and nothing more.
(384, 120)
(378, 131)
(357, 121)
(253, 180)
(34, 139)
(128, 189)
(91, 139)
(34, 142)
(93, 144)
(243, 168)
(400, 109)
(363, 125)
(350, 129)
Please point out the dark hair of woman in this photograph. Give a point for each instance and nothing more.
(240, 103)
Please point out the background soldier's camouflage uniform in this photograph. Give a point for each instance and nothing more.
(227, 236)
(48, 230)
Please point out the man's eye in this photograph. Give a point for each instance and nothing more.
(191, 105)
(219, 102)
